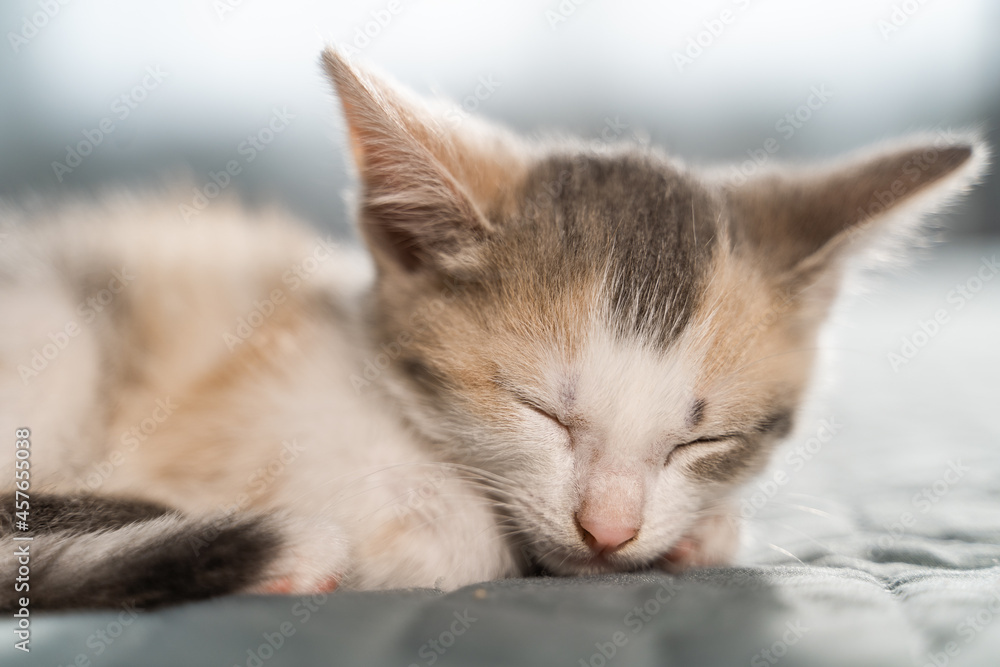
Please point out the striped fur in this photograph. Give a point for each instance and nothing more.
(93, 552)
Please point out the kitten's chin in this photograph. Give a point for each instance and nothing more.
(576, 565)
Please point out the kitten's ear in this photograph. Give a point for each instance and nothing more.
(804, 222)
(427, 171)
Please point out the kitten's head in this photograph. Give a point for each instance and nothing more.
(617, 340)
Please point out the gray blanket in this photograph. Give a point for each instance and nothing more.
(874, 539)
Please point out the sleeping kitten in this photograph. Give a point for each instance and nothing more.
(554, 358)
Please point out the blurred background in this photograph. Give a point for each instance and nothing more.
(184, 85)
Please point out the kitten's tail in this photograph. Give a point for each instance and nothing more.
(97, 552)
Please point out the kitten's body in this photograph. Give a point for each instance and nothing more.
(277, 421)
(557, 357)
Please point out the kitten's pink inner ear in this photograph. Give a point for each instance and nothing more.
(414, 212)
(485, 159)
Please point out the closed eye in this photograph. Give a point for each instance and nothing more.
(700, 441)
(529, 402)
(538, 409)
(542, 411)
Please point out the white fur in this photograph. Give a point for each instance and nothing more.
(407, 519)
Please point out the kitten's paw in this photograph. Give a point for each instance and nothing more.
(313, 560)
(296, 585)
(711, 542)
(279, 586)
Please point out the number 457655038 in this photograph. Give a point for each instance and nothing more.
(22, 476)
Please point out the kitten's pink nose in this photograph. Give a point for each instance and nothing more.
(604, 537)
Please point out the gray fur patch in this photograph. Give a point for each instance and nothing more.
(697, 414)
(635, 216)
(79, 514)
(93, 552)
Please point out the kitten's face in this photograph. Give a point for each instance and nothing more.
(613, 341)
(609, 356)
